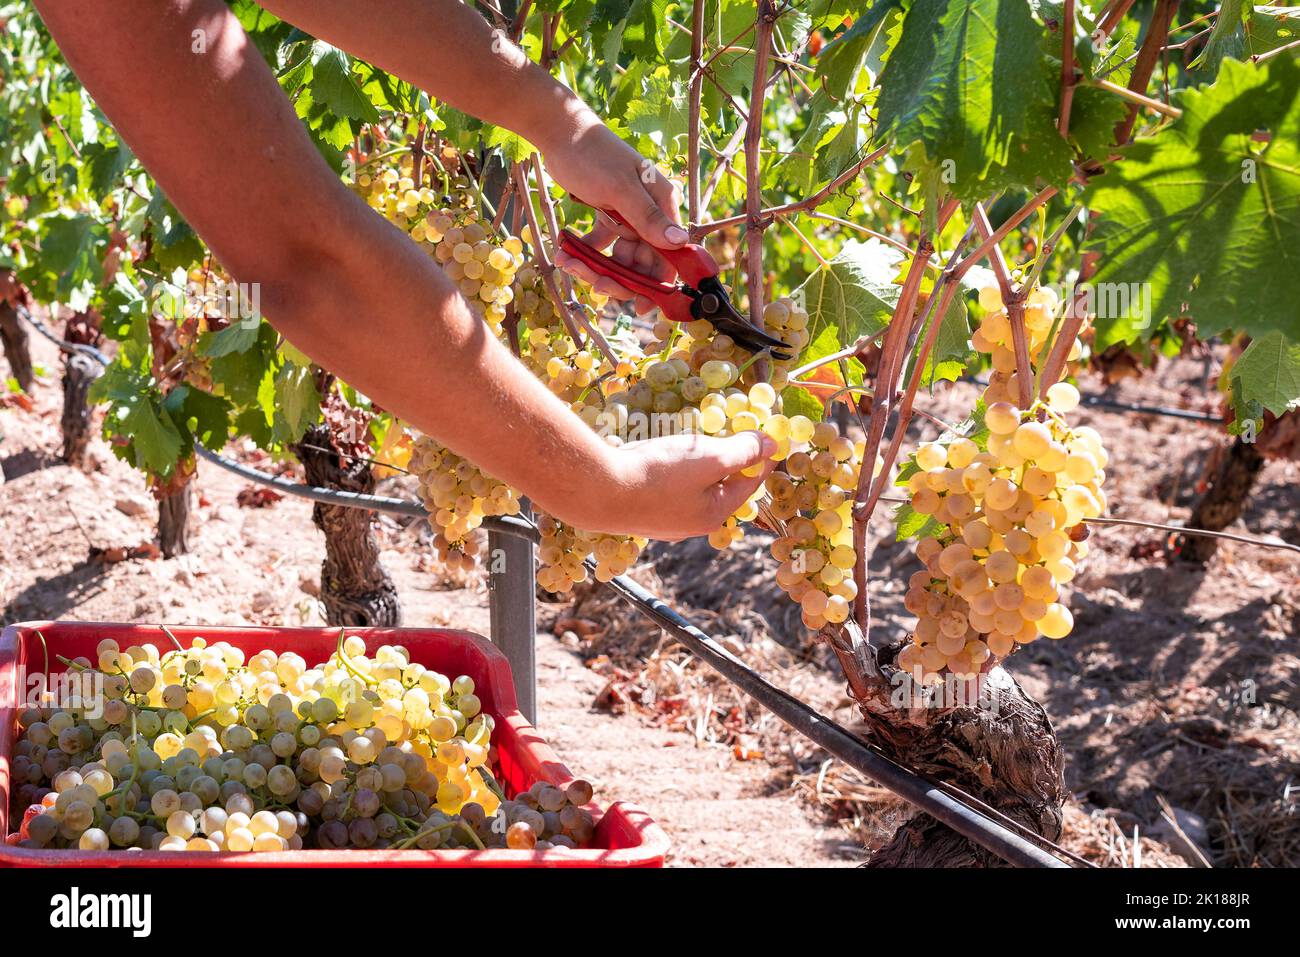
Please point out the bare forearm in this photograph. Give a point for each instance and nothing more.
(346, 287)
(448, 49)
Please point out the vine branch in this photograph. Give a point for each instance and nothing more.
(1014, 300)
(764, 24)
(1144, 67)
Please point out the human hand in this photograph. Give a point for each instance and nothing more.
(677, 486)
(594, 164)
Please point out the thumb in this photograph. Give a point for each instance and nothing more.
(651, 221)
(736, 452)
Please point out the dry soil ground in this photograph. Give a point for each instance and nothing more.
(1151, 695)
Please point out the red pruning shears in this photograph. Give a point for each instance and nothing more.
(698, 295)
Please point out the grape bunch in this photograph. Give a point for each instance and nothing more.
(458, 496)
(811, 499)
(482, 266)
(1010, 514)
(201, 749)
(563, 550)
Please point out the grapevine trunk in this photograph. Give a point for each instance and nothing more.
(78, 373)
(355, 587)
(1002, 750)
(1229, 475)
(174, 521)
(17, 351)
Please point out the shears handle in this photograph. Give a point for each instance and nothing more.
(692, 261)
(669, 297)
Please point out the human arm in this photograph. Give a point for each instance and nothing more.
(449, 50)
(349, 289)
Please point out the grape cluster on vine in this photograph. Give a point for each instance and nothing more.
(1009, 512)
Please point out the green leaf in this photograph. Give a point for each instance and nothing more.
(969, 87)
(662, 110)
(1206, 215)
(69, 251)
(840, 61)
(1268, 28)
(797, 401)
(911, 524)
(104, 167)
(1268, 372)
(204, 417)
(333, 86)
(297, 402)
(1096, 112)
(947, 360)
(513, 147)
(236, 337)
(1227, 38)
(852, 296)
(155, 441)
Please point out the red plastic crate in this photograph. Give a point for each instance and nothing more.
(625, 835)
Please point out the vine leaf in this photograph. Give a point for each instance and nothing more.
(840, 61)
(971, 96)
(154, 443)
(1228, 38)
(199, 416)
(1268, 372)
(1243, 30)
(947, 360)
(297, 402)
(850, 297)
(236, 337)
(514, 148)
(1206, 214)
(662, 110)
(799, 401)
(912, 524)
(334, 87)
(69, 252)
(154, 437)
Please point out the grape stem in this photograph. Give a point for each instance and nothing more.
(886, 378)
(347, 662)
(806, 205)
(553, 229)
(168, 632)
(1068, 79)
(1014, 300)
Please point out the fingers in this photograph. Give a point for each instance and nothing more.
(580, 270)
(632, 253)
(736, 452)
(654, 222)
(667, 194)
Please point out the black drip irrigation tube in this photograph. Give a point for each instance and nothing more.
(836, 740)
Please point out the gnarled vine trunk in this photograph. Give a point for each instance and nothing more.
(1229, 475)
(355, 587)
(1001, 749)
(16, 346)
(79, 372)
(174, 520)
